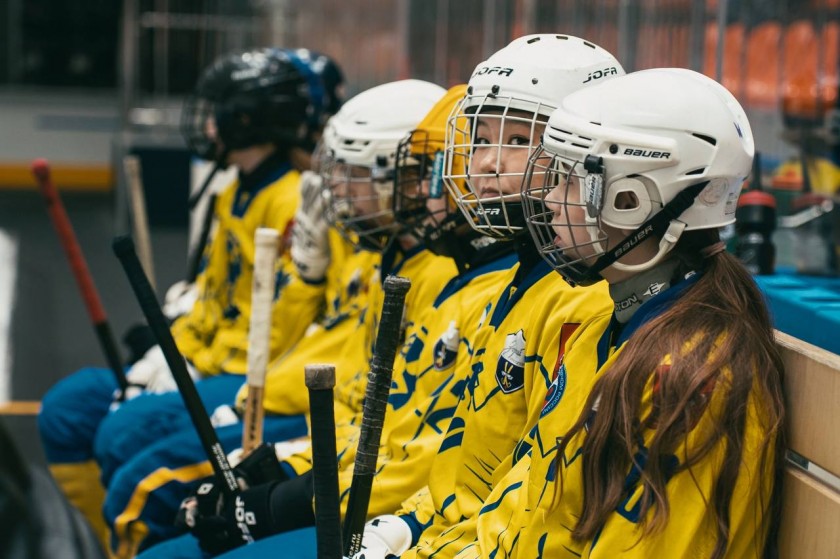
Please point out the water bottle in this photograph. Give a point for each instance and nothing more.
(755, 220)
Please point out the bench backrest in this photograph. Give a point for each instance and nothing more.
(811, 502)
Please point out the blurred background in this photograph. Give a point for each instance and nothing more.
(86, 82)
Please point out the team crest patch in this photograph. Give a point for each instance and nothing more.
(446, 348)
(555, 391)
(510, 370)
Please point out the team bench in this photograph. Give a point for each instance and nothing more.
(811, 503)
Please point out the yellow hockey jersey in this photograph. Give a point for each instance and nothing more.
(515, 354)
(429, 376)
(302, 304)
(527, 515)
(348, 291)
(214, 334)
(428, 274)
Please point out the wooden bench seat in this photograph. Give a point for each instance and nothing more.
(811, 503)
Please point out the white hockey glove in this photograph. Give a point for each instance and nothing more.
(223, 416)
(152, 374)
(310, 243)
(385, 536)
(179, 299)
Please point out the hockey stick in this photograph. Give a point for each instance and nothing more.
(194, 258)
(124, 249)
(67, 237)
(266, 242)
(373, 412)
(320, 380)
(139, 218)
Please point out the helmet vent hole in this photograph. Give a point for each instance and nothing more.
(705, 138)
(563, 37)
(535, 81)
(588, 44)
(534, 40)
(698, 171)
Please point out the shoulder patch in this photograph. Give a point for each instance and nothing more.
(510, 369)
(555, 391)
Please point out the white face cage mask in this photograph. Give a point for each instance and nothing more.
(360, 202)
(488, 142)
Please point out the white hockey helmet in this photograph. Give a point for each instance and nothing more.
(359, 153)
(521, 83)
(673, 142)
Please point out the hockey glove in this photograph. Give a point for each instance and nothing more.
(179, 299)
(152, 374)
(310, 242)
(138, 339)
(222, 523)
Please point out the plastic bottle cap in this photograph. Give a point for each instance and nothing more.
(757, 198)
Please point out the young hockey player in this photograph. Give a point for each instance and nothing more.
(522, 337)
(676, 449)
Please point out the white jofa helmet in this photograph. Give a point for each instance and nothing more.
(359, 152)
(522, 83)
(673, 142)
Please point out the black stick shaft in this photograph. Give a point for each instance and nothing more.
(373, 413)
(320, 380)
(112, 355)
(198, 250)
(124, 249)
(194, 259)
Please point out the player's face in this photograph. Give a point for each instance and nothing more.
(359, 195)
(211, 132)
(569, 216)
(501, 146)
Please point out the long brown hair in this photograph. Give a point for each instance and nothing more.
(733, 351)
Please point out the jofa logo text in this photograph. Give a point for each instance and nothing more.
(493, 70)
(598, 74)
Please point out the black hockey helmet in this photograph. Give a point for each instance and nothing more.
(245, 99)
(328, 94)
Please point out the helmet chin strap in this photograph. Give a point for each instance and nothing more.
(666, 243)
(665, 223)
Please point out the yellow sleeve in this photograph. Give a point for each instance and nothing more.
(325, 341)
(301, 303)
(691, 529)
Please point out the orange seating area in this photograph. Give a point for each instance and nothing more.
(769, 65)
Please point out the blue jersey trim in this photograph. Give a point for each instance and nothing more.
(244, 196)
(389, 257)
(458, 282)
(520, 286)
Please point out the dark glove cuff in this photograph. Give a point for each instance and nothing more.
(256, 510)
